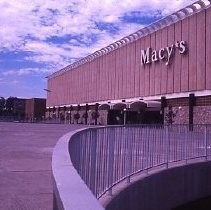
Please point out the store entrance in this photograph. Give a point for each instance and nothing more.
(152, 117)
(116, 117)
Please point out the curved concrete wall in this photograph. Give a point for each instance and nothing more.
(70, 192)
(166, 189)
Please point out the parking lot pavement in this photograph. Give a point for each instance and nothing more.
(25, 164)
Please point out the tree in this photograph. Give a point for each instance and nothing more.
(76, 117)
(10, 104)
(2, 104)
(170, 115)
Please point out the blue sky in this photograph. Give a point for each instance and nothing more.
(39, 37)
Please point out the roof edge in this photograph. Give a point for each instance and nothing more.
(162, 23)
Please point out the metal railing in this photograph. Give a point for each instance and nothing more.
(104, 156)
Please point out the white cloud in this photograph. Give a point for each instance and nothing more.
(26, 25)
(25, 71)
(9, 82)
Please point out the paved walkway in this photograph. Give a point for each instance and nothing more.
(25, 164)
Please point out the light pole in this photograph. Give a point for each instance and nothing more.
(124, 112)
(49, 110)
(52, 94)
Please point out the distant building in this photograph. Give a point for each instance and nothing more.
(35, 109)
(19, 108)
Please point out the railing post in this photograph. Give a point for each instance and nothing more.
(111, 148)
(186, 144)
(93, 152)
(205, 141)
(129, 139)
(168, 145)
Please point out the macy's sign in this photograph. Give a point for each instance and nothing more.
(149, 56)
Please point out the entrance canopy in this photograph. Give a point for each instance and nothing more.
(136, 105)
(119, 106)
(104, 107)
(153, 104)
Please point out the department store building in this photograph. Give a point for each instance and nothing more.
(159, 74)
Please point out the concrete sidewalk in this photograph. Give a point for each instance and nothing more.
(25, 164)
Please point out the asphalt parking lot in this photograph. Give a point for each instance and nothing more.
(25, 164)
